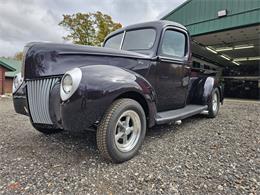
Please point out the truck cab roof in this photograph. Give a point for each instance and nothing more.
(158, 25)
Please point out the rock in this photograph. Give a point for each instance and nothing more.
(186, 159)
(220, 187)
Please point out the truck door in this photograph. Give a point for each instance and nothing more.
(172, 70)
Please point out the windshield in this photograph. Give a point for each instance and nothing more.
(142, 39)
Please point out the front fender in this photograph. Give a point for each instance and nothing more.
(103, 80)
(99, 87)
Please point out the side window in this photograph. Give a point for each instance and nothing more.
(114, 42)
(173, 44)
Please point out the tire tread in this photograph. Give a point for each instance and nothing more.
(102, 128)
(211, 113)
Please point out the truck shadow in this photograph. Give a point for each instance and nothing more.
(81, 146)
(160, 130)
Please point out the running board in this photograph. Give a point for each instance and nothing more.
(179, 114)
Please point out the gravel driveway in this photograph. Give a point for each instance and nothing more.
(215, 156)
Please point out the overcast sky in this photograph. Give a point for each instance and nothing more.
(23, 21)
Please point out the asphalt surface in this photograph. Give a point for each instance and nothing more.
(200, 156)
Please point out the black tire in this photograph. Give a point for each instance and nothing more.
(213, 112)
(106, 131)
(46, 130)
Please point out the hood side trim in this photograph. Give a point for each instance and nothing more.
(104, 54)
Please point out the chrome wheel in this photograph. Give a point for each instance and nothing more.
(128, 130)
(215, 102)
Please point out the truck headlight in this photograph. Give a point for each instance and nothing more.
(67, 83)
(70, 83)
(17, 82)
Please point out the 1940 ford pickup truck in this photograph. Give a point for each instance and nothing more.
(141, 77)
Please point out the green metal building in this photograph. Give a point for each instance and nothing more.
(226, 36)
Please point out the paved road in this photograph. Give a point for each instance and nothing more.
(217, 156)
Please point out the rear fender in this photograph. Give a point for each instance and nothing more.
(201, 89)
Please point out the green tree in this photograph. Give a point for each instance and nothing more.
(104, 25)
(88, 28)
(18, 56)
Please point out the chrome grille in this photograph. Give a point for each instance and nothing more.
(38, 92)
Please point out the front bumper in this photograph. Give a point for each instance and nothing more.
(76, 114)
(20, 101)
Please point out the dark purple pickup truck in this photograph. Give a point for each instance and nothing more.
(141, 77)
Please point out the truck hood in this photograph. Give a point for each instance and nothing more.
(50, 59)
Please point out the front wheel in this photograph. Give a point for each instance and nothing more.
(121, 131)
(214, 103)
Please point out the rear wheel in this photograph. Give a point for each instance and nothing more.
(121, 131)
(214, 103)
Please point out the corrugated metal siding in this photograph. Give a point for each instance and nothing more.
(200, 16)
